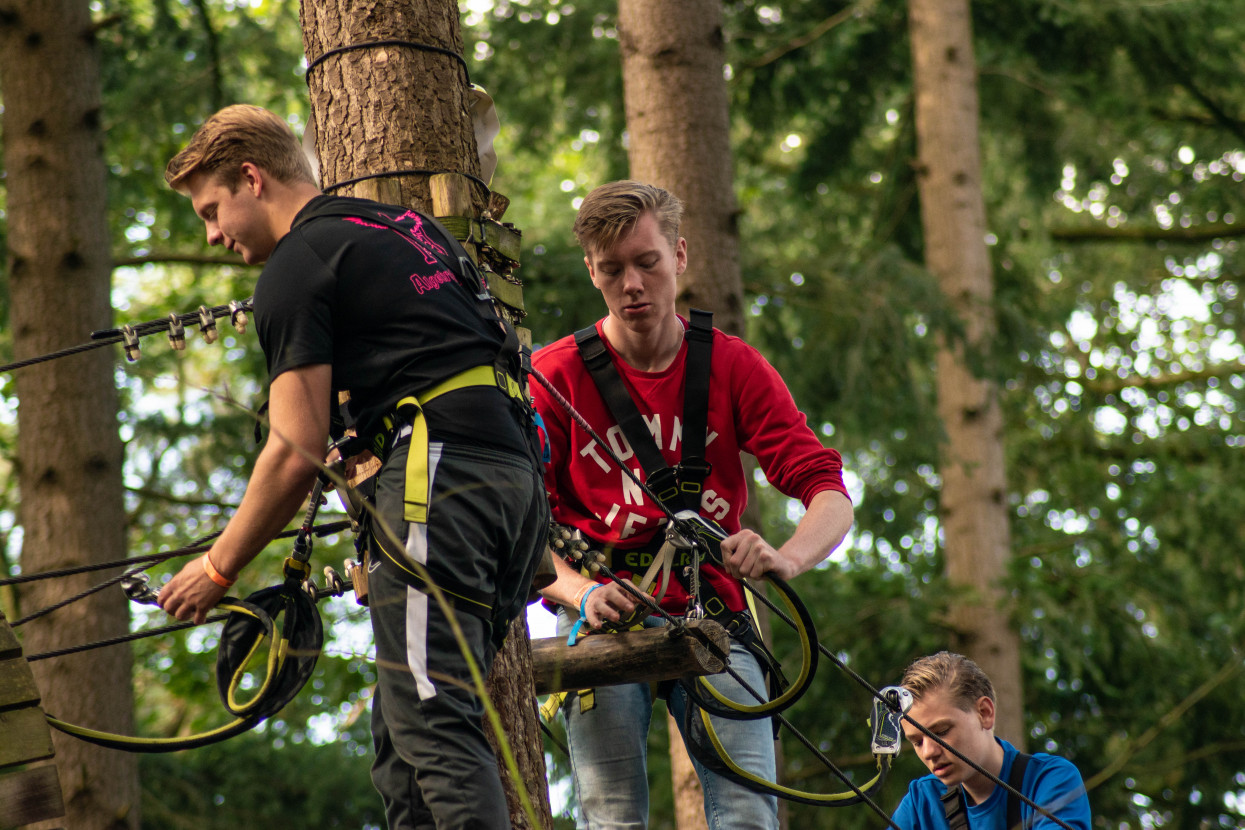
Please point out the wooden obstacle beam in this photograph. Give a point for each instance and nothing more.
(30, 788)
(646, 656)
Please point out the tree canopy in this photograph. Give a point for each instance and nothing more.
(1113, 140)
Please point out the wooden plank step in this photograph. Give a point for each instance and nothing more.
(17, 684)
(30, 795)
(27, 736)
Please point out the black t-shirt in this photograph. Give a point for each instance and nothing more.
(385, 309)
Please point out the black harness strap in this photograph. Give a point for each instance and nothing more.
(693, 469)
(680, 487)
(955, 805)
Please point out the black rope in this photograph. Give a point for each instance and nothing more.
(369, 44)
(102, 566)
(125, 638)
(72, 350)
(320, 531)
(406, 172)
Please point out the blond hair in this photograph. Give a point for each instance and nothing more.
(235, 135)
(610, 211)
(961, 677)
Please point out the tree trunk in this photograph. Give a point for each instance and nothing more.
(383, 110)
(69, 450)
(678, 120)
(974, 488)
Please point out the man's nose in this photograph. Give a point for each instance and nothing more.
(632, 282)
(214, 236)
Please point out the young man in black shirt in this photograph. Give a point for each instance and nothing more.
(369, 299)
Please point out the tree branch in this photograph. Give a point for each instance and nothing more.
(812, 34)
(1112, 384)
(1135, 233)
(177, 258)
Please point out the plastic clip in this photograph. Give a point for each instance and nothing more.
(237, 316)
(207, 325)
(888, 711)
(132, 349)
(177, 333)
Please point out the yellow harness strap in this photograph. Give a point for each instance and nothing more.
(417, 483)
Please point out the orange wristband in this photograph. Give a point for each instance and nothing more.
(215, 575)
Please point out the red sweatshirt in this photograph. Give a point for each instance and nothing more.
(750, 410)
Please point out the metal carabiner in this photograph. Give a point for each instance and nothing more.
(137, 587)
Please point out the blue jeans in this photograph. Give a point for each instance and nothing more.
(608, 746)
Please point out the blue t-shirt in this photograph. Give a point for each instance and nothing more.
(1050, 781)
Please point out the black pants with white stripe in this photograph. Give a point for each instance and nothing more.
(486, 529)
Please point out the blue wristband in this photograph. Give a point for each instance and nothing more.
(583, 615)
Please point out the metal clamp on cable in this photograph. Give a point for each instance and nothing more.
(237, 316)
(207, 325)
(177, 333)
(132, 348)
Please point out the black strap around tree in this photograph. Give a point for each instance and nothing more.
(955, 805)
(680, 487)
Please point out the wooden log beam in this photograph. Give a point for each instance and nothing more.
(631, 657)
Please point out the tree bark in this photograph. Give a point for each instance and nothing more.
(383, 110)
(69, 450)
(678, 121)
(974, 489)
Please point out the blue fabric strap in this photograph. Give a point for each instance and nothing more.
(583, 615)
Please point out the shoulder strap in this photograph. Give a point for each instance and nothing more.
(955, 807)
(659, 477)
(685, 482)
(693, 469)
(1016, 780)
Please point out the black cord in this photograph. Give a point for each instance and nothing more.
(370, 44)
(405, 172)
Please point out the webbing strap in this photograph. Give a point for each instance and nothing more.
(694, 469)
(955, 804)
(675, 489)
(412, 407)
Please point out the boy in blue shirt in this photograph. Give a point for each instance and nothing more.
(954, 700)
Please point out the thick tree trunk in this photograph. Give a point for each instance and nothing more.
(69, 450)
(974, 488)
(678, 120)
(383, 110)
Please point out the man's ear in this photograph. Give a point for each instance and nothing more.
(592, 272)
(985, 712)
(680, 257)
(251, 177)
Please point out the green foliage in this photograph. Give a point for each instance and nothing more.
(1118, 359)
(257, 781)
